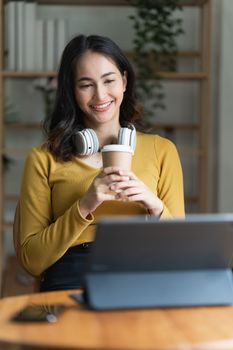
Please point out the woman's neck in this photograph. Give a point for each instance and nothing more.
(107, 134)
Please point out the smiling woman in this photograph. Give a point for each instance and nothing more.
(65, 189)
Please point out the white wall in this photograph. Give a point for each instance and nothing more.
(225, 117)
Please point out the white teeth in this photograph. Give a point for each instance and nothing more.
(102, 106)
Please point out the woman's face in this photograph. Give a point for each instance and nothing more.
(99, 89)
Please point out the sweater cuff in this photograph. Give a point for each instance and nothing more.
(89, 219)
(165, 213)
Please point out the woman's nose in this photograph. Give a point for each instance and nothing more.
(100, 92)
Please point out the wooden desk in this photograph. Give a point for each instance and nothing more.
(182, 329)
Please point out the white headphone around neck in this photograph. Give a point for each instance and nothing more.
(87, 143)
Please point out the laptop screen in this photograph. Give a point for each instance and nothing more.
(136, 244)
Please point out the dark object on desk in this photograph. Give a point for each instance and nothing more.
(39, 312)
(137, 264)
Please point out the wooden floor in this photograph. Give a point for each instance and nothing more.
(16, 281)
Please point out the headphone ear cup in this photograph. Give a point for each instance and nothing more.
(127, 136)
(86, 142)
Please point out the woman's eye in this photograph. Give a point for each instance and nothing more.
(109, 81)
(86, 86)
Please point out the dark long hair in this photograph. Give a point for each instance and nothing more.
(67, 118)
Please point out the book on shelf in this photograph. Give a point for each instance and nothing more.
(29, 36)
(61, 38)
(32, 43)
(10, 35)
(39, 45)
(49, 44)
(20, 29)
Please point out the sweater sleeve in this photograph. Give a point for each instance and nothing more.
(170, 185)
(40, 241)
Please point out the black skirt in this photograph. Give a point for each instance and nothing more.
(68, 272)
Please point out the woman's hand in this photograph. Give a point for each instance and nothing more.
(134, 190)
(100, 190)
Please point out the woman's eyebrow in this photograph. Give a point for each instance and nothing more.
(107, 74)
(102, 76)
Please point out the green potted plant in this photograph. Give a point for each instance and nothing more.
(156, 27)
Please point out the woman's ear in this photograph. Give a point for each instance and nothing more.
(124, 77)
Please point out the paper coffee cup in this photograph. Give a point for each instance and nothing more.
(117, 155)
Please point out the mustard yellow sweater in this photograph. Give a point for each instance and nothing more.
(48, 220)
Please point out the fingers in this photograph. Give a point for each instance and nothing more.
(122, 196)
(113, 179)
(132, 190)
(101, 186)
(119, 171)
(124, 184)
(112, 175)
(114, 183)
(112, 170)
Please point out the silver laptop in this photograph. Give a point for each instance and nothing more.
(139, 263)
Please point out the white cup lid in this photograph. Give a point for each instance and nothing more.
(117, 148)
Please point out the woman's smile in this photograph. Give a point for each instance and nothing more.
(103, 107)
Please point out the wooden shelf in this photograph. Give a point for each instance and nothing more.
(191, 152)
(85, 2)
(8, 226)
(10, 198)
(15, 151)
(193, 2)
(110, 2)
(183, 75)
(32, 74)
(174, 127)
(179, 54)
(162, 75)
(23, 125)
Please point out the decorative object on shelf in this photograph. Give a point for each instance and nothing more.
(48, 87)
(156, 28)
